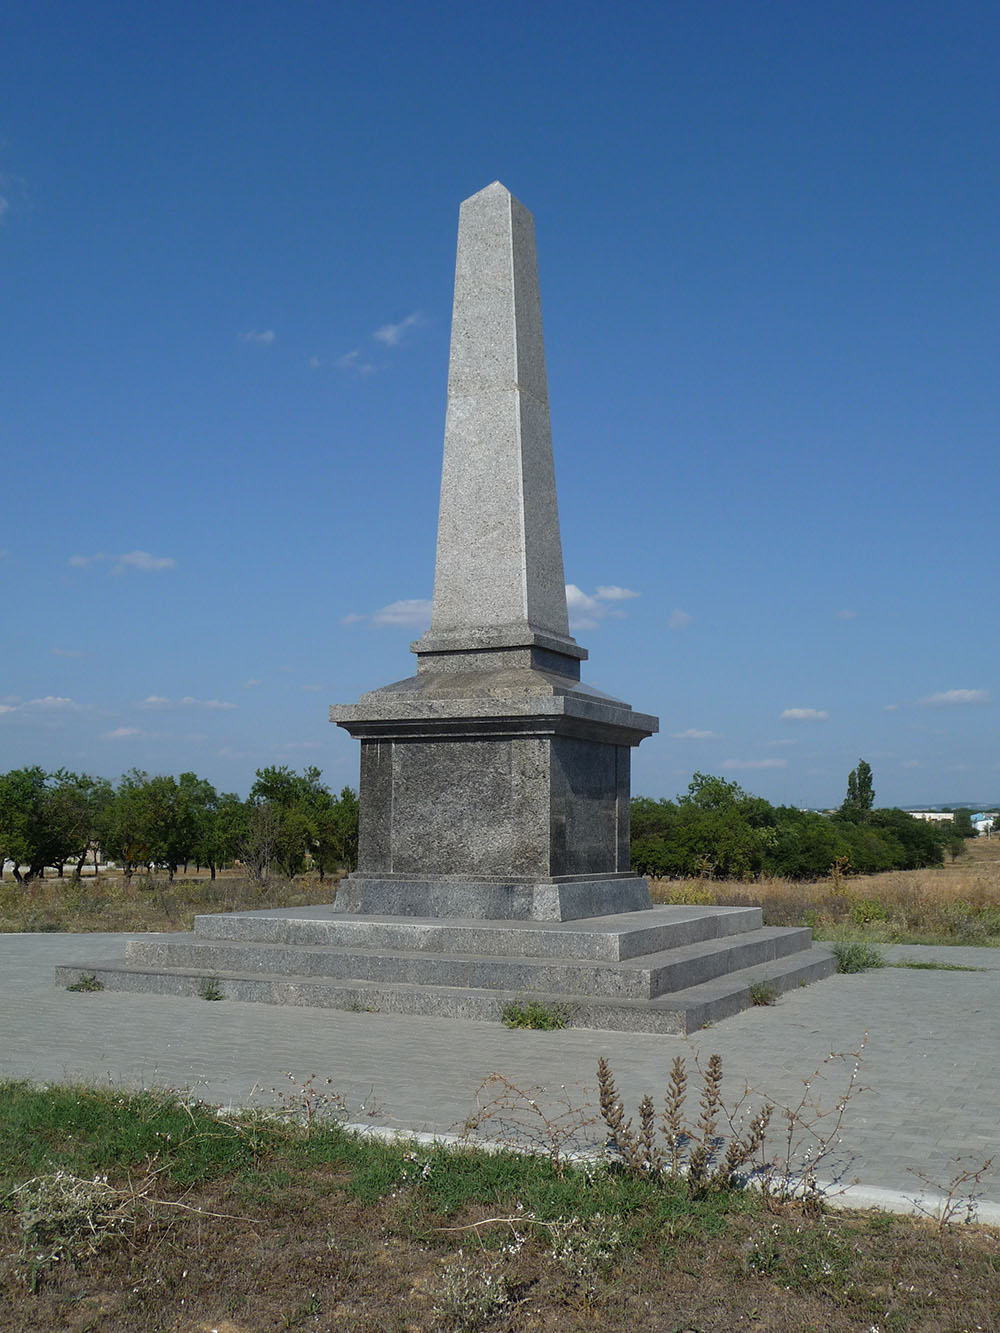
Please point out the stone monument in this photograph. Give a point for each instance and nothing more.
(494, 857)
(493, 783)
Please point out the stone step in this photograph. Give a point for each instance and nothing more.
(612, 938)
(644, 978)
(682, 1012)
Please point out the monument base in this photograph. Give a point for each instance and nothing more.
(572, 898)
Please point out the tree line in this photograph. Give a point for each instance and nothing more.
(719, 829)
(288, 822)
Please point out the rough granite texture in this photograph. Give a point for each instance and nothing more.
(493, 762)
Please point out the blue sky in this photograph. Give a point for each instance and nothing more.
(768, 248)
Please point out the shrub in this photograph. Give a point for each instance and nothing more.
(857, 957)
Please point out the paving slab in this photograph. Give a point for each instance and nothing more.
(930, 1068)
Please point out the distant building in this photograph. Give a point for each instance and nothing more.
(934, 816)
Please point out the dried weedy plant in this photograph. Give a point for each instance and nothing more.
(550, 1121)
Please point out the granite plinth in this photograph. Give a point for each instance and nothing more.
(493, 900)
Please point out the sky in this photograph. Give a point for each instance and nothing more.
(767, 238)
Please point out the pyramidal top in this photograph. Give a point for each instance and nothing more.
(498, 579)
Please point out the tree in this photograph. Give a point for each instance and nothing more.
(860, 791)
(45, 819)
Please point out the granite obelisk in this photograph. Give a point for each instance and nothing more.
(494, 784)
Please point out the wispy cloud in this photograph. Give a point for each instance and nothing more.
(391, 334)
(805, 715)
(413, 611)
(265, 337)
(615, 594)
(122, 733)
(951, 698)
(157, 701)
(730, 764)
(693, 734)
(138, 560)
(352, 619)
(311, 689)
(354, 363)
(587, 610)
(8, 708)
(679, 619)
(847, 615)
(50, 703)
(249, 684)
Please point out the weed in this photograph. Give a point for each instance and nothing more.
(958, 1196)
(762, 992)
(937, 967)
(535, 1014)
(66, 1216)
(856, 956)
(585, 1249)
(307, 1104)
(696, 1152)
(209, 989)
(551, 1123)
(88, 982)
(467, 1295)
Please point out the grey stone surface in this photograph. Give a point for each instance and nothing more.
(493, 762)
(930, 1071)
(499, 558)
(503, 899)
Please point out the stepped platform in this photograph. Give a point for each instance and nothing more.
(668, 969)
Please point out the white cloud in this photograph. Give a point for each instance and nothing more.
(51, 703)
(949, 698)
(265, 337)
(693, 734)
(890, 708)
(352, 361)
(847, 615)
(141, 560)
(413, 611)
(249, 684)
(587, 610)
(679, 619)
(315, 362)
(615, 594)
(352, 619)
(805, 715)
(755, 763)
(391, 334)
(122, 733)
(8, 708)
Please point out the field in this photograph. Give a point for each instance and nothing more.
(957, 903)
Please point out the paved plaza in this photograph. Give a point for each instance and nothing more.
(930, 1069)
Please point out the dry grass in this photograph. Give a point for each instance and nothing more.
(957, 903)
(239, 1225)
(150, 902)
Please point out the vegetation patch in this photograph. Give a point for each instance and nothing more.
(535, 1014)
(87, 982)
(857, 957)
(166, 1214)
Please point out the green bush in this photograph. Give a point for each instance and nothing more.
(852, 956)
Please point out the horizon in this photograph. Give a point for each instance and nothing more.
(767, 253)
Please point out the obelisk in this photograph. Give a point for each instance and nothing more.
(493, 784)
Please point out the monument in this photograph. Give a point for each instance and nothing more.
(493, 783)
(494, 840)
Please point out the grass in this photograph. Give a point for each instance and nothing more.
(245, 1222)
(936, 967)
(957, 903)
(149, 902)
(535, 1014)
(857, 956)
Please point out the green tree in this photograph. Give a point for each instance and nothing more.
(860, 791)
